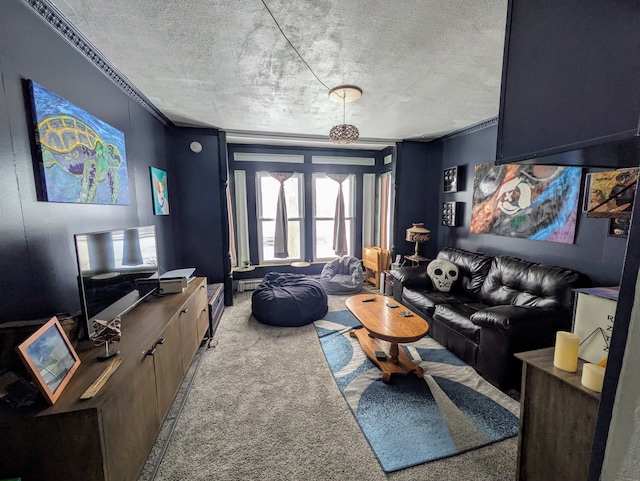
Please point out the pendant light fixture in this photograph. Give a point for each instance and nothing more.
(344, 133)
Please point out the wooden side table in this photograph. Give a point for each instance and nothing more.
(417, 260)
(557, 420)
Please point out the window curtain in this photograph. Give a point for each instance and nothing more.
(242, 217)
(280, 241)
(369, 209)
(339, 224)
(385, 211)
(232, 231)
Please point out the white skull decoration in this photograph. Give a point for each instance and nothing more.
(443, 274)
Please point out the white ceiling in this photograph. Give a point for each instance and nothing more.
(426, 67)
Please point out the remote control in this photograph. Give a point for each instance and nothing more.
(369, 299)
(406, 314)
(391, 304)
(381, 355)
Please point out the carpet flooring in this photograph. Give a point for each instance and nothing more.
(413, 420)
(263, 405)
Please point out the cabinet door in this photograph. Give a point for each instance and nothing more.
(194, 320)
(167, 360)
(130, 422)
(203, 316)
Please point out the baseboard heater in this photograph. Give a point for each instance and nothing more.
(247, 284)
(242, 285)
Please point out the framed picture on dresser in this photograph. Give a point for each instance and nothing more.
(50, 358)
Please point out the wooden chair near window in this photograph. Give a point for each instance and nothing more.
(375, 260)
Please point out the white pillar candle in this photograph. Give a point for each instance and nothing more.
(565, 356)
(593, 377)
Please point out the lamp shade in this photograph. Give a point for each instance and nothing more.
(418, 233)
(344, 134)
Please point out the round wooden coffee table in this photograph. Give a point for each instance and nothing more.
(384, 328)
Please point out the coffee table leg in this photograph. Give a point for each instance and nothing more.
(393, 352)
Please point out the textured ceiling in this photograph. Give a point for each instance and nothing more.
(426, 67)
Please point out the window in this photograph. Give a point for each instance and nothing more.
(267, 189)
(325, 193)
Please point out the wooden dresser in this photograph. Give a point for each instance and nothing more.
(109, 437)
(557, 420)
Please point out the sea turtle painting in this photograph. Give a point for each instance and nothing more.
(82, 158)
(76, 148)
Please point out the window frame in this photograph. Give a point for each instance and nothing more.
(259, 175)
(351, 235)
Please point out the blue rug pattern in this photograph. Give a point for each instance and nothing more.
(412, 420)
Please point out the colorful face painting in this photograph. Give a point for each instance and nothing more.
(81, 158)
(526, 201)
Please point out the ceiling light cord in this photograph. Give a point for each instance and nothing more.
(294, 49)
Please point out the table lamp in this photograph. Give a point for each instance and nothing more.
(417, 233)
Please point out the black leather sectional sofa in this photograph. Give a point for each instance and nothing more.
(499, 306)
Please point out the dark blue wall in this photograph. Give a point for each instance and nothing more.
(197, 211)
(594, 253)
(417, 174)
(37, 256)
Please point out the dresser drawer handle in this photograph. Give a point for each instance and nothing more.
(184, 311)
(152, 351)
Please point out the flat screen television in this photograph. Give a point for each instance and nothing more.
(109, 265)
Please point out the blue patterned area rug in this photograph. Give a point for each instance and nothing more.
(413, 420)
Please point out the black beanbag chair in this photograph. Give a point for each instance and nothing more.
(284, 299)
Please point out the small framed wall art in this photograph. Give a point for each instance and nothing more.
(450, 216)
(610, 194)
(450, 179)
(50, 358)
(160, 191)
(619, 227)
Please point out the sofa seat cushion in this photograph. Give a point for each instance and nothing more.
(457, 317)
(425, 300)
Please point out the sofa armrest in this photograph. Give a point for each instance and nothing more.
(507, 317)
(412, 276)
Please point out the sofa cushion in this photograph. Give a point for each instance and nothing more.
(457, 317)
(516, 282)
(473, 268)
(425, 300)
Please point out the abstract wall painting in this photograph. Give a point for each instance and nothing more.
(536, 202)
(160, 192)
(81, 158)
